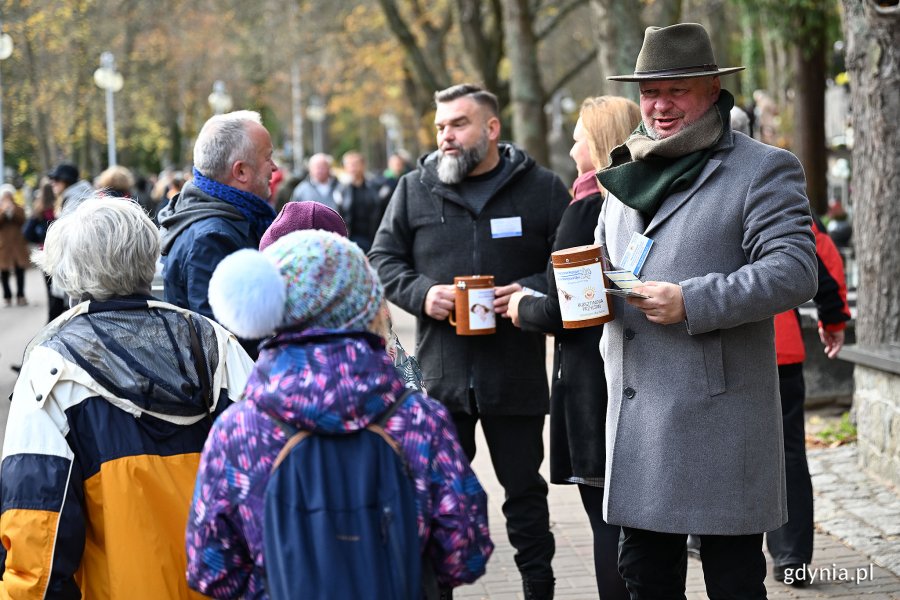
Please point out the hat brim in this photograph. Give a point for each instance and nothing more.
(651, 76)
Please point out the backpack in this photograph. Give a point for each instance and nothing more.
(340, 517)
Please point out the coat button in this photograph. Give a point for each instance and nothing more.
(629, 392)
(629, 334)
(54, 371)
(39, 397)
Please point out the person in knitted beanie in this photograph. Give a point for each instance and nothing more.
(299, 216)
(310, 279)
(324, 371)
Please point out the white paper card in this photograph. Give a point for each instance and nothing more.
(624, 279)
(508, 227)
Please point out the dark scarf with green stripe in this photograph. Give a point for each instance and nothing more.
(644, 171)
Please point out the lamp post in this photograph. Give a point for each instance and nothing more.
(6, 49)
(109, 80)
(391, 132)
(297, 114)
(315, 112)
(220, 99)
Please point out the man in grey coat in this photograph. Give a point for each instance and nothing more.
(694, 442)
(478, 207)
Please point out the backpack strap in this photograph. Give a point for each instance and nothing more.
(296, 436)
(379, 424)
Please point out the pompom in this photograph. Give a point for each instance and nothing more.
(247, 294)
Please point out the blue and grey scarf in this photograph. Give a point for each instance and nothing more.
(256, 210)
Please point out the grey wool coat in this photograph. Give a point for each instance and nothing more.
(693, 429)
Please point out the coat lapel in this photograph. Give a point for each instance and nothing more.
(676, 201)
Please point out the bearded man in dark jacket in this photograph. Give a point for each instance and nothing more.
(221, 210)
(476, 206)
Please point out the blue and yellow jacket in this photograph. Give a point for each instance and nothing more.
(108, 418)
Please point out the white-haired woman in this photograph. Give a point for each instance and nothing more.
(108, 417)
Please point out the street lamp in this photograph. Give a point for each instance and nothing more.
(220, 100)
(6, 49)
(315, 112)
(108, 79)
(391, 132)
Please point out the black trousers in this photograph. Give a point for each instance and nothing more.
(20, 283)
(653, 565)
(55, 305)
(610, 584)
(792, 543)
(516, 447)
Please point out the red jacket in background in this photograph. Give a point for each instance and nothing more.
(830, 301)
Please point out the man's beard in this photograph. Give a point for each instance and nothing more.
(454, 168)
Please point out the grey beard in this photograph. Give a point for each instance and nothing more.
(453, 169)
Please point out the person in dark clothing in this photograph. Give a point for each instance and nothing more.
(476, 206)
(221, 210)
(578, 394)
(358, 201)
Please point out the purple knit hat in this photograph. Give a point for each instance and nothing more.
(297, 216)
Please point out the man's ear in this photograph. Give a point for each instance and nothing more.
(493, 126)
(239, 171)
(715, 88)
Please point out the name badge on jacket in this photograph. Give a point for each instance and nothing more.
(508, 227)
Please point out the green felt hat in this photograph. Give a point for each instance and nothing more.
(675, 52)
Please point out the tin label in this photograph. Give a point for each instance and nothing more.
(582, 295)
(481, 308)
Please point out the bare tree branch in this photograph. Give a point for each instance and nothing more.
(580, 63)
(417, 59)
(555, 20)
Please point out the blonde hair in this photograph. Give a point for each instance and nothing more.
(607, 121)
(117, 178)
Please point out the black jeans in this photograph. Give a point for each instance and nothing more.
(792, 543)
(653, 565)
(610, 584)
(516, 447)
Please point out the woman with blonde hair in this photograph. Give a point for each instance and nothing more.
(578, 397)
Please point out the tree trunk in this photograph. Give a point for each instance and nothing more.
(526, 92)
(620, 32)
(809, 115)
(872, 37)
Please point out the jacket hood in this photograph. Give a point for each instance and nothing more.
(324, 381)
(428, 168)
(142, 355)
(188, 207)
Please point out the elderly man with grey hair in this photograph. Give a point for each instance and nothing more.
(108, 417)
(222, 209)
(319, 186)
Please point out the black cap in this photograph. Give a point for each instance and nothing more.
(64, 172)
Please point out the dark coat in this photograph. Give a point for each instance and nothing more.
(362, 211)
(428, 236)
(578, 390)
(198, 231)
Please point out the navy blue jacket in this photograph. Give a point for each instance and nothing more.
(198, 231)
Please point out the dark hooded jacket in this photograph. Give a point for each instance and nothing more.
(429, 235)
(198, 231)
